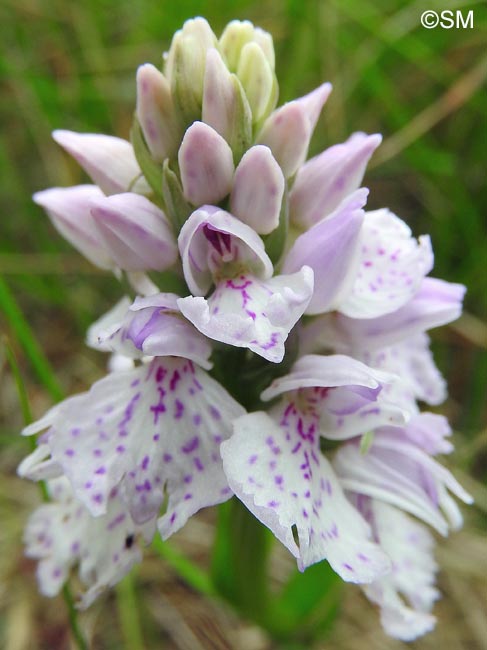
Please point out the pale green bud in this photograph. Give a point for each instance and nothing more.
(235, 37)
(258, 81)
(185, 66)
(225, 105)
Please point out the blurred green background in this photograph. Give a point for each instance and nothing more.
(67, 64)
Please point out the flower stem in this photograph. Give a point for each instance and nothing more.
(240, 561)
(128, 614)
(78, 637)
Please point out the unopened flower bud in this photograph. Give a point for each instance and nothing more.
(69, 210)
(185, 66)
(237, 34)
(258, 189)
(225, 105)
(288, 130)
(156, 113)
(108, 160)
(135, 231)
(325, 180)
(258, 80)
(206, 165)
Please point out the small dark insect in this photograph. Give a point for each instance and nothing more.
(129, 540)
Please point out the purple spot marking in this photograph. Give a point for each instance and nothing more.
(252, 459)
(69, 452)
(101, 470)
(215, 413)
(174, 380)
(179, 409)
(167, 458)
(191, 446)
(160, 374)
(160, 407)
(198, 464)
(145, 462)
(115, 522)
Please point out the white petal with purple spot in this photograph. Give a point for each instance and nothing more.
(279, 473)
(156, 428)
(392, 267)
(252, 313)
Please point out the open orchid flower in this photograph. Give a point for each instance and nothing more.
(398, 470)
(375, 265)
(151, 327)
(274, 464)
(154, 428)
(248, 307)
(435, 303)
(405, 595)
(63, 534)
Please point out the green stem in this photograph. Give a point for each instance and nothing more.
(189, 572)
(128, 614)
(28, 341)
(76, 632)
(240, 561)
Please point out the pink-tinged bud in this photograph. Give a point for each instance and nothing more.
(313, 103)
(331, 248)
(225, 105)
(69, 210)
(325, 180)
(206, 165)
(108, 160)
(258, 189)
(288, 130)
(135, 231)
(156, 114)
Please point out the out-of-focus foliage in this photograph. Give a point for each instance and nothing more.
(71, 64)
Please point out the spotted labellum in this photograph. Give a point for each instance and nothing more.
(285, 369)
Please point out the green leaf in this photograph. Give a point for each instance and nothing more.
(308, 604)
(177, 208)
(150, 168)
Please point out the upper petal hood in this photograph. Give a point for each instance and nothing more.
(212, 238)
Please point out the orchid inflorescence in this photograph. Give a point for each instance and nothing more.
(286, 367)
